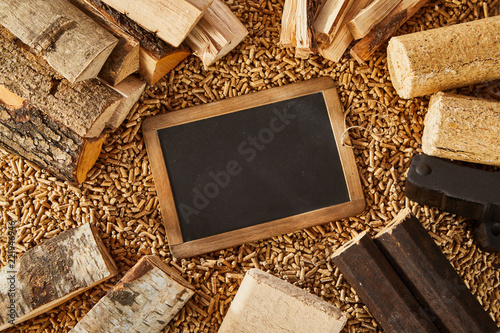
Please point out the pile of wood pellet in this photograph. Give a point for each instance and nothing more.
(119, 197)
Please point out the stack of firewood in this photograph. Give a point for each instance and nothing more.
(68, 67)
(328, 27)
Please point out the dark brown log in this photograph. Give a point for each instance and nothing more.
(380, 288)
(431, 278)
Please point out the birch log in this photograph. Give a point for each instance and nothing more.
(52, 273)
(462, 128)
(217, 33)
(74, 45)
(145, 300)
(445, 58)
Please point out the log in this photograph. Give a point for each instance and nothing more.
(265, 303)
(430, 277)
(462, 128)
(288, 26)
(35, 136)
(306, 13)
(390, 302)
(53, 272)
(83, 107)
(131, 89)
(156, 57)
(74, 45)
(124, 59)
(329, 18)
(365, 47)
(366, 19)
(216, 34)
(445, 58)
(170, 20)
(145, 300)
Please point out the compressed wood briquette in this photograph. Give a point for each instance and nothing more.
(429, 61)
(462, 128)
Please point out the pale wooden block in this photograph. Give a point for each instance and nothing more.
(145, 300)
(265, 303)
(287, 35)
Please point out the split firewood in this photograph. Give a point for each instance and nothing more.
(381, 32)
(306, 13)
(83, 107)
(362, 23)
(462, 128)
(329, 19)
(288, 24)
(217, 33)
(145, 300)
(131, 89)
(156, 57)
(74, 45)
(265, 303)
(170, 20)
(459, 55)
(53, 272)
(124, 59)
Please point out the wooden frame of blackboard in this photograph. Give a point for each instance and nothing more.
(182, 249)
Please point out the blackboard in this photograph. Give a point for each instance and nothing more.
(252, 167)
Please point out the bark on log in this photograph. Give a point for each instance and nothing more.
(445, 58)
(366, 19)
(216, 34)
(145, 300)
(462, 128)
(288, 24)
(52, 273)
(265, 303)
(156, 57)
(170, 20)
(431, 278)
(378, 285)
(73, 44)
(306, 13)
(83, 107)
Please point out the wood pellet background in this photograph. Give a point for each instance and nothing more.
(119, 197)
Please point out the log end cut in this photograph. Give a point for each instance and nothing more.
(400, 68)
(153, 68)
(91, 151)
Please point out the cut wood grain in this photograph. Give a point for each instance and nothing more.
(216, 34)
(305, 14)
(430, 277)
(362, 23)
(131, 89)
(265, 303)
(52, 273)
(145, 300)
(156, 57)
(73, 44)
(170, 20)
(288, 24)
(124, 59)
(378, 285)
(329, 18)
(381, 32)
(83, 107)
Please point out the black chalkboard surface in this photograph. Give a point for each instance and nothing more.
(252, 167)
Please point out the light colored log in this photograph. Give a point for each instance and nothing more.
(170, 20)
(83, 107)
(462, 128)
(329, 18)
(145, 300)
(445, 58)
(53, 272)
(288, 26)
(216, 34)
(73, 44)
(265, 303)
(362, 23)
(305, 14)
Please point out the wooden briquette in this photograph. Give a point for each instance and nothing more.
(83, 107)
(216, 34)
(156, 57)
(329, 19)
(378, 285)
(381, 32)
(305, 14)
(445, 58)
(148, 296)
(265, 303)
(124, 59)
(430, 277)
(52, 273)
(366, 19)
(288, 24)
(170, 20)
(73, 44)
(131, 90)
(462, 128)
